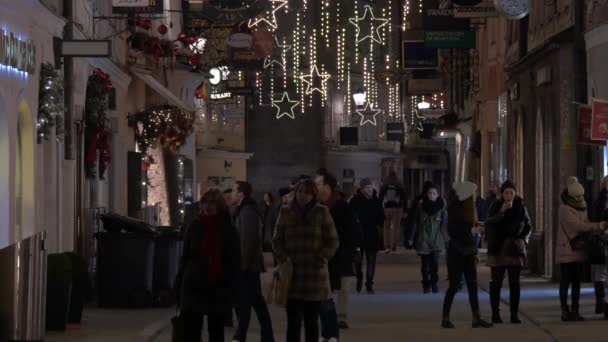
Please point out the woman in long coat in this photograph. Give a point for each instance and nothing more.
(507, 231)
(305, 235)
(208, 269)
(573, 222)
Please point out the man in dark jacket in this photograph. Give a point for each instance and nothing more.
(342, 264)
(248, 222)
(368, 209)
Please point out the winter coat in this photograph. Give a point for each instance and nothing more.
(248, 223)
(572, 222)
(461, 241)
(599, 212)
(430, 227)
(194, 291)
(349, 234)
(370, 213)
(503, 229)
(308, 239)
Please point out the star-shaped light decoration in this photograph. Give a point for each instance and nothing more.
(268, 61)
(381, 22)
(269, 16)
(309, 80)
(284, 102)
(368, 112)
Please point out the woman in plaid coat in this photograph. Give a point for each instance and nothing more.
(305, 235)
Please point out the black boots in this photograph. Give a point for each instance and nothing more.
(571, 315)
(495, 302)
(435, 287)
(480, 323)
(599, 297)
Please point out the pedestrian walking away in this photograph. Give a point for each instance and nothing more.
(570, 254)
(462, 251)
(508, 229)
(208, 271)
(597, 254)
(249, 225)
(368, 209)
(392, 196)
(342, 264)
(306, 236)
(428, 236)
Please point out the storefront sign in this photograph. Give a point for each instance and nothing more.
(584, 128)
(432, 113)
(221, 96)
(418, 56)
(442, 19)
(16, 53)
(475, 12)
(599, 120)
(130, 3)
(137, 6)
(450, 39)
(395, 131)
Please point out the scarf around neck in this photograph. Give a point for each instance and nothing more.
(432, 208)
(573, 202)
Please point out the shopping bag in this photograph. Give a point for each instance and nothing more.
(279, 286)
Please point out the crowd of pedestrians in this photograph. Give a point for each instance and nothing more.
(327, 238)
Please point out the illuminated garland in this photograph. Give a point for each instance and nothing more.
(97, 137)
(165, 126)
(50, 103)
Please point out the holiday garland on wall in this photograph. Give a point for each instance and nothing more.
(165, 126)
(50, 103)
(97, 136)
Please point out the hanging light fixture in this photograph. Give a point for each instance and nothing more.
(359, 96)
(424, 105)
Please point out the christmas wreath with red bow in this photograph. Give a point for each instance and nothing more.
(97, 136)
(165, 126)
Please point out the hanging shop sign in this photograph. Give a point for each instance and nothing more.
(450, 39)
(416, 55)
(432, 113)
(599, 120)
(221, 96)
(17, 53)
(395, 131)
(137, 6)
(86, 48)
(442, 19)
(475, 12)
(584, 128)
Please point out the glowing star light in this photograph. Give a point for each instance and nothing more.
(283, 103)
(269, 16)
(268, 61)
(378, 24)
(368, 112)
(309, 80)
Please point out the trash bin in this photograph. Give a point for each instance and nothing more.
(167, 252)
(116, 223)
(125, 263)
(58, 291)
(81, 287)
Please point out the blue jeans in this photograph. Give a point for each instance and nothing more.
(250, 295)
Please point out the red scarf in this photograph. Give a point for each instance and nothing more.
(211, 246)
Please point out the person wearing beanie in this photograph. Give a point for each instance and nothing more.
(507, 231)
(597, 254)
(429, 237)
(570, 254)
(462, 252)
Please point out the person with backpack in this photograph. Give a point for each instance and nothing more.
(392, 196)
(248, 222)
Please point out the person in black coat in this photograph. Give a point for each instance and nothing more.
(208, 271)
(410, 220)
(507, 231)
(349, 234)
(368, 208)
(597, 254)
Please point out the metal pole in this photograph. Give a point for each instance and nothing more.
(68, 76)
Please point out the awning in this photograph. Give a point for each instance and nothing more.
(161, 89)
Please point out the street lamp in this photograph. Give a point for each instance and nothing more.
(359, 96)
(424, 105)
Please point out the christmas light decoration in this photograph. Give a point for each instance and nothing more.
(167, 126)
(309, 80)
(269, 17)
(377, 25)
(284, 102)
(284, 48)
(367, 112)
(50, 103)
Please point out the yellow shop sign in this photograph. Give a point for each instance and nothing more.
(16, 53)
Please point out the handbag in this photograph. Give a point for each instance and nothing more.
(278, 290)
(177, 327)
(579, 242)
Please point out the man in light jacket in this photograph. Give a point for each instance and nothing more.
(248, 222)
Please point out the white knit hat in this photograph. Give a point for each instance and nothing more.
(464, 190)
(575, 189)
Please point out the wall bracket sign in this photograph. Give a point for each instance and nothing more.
(86, 48)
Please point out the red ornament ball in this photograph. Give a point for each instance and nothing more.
(162, 29)
(181, 37)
